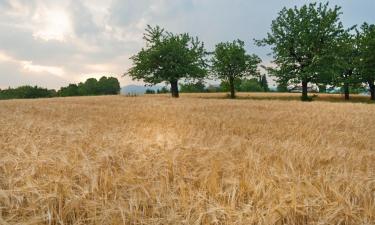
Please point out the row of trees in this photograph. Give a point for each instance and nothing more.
(105, 86)
(309, 45)
(170, 57)
(244, 85)
(27, 92)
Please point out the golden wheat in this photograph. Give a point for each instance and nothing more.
(157, 160)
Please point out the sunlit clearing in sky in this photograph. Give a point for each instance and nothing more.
(55, 25)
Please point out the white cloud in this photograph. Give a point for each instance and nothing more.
(51, 24)
(30, 67)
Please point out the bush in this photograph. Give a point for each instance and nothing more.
(26, 92)
(245, 85)
(150, 92)
(251, 85)
(198, 87)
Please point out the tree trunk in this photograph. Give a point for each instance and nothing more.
(304, 91)
(372, 89)
(346, 90)
(231, 86)
(174, 89)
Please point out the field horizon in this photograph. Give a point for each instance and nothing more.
(200, 159)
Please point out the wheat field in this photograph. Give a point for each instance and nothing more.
(193, 160)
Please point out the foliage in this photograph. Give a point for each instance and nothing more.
(367, 56)
(264, 83)
(231, 62)
(225, 85)
(282, 87)
(70, 90)
(26, 92)
(169, 57)
(244, 85)
(303, 40)
(108, 86)
(150, 91)
(214, 88)
(346, 62)
(163, 90)
(197, 87)
(251, 85)
(105, 86)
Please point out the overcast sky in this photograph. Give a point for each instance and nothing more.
(53, 42)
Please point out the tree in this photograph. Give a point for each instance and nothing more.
(90, 87)
(367, 56)
(302, 40)
(105, 86)
(230, 62)
(108, 86)
(168, 58)
(70, 90)
(26, 92)
(346, 62)
(264, 83)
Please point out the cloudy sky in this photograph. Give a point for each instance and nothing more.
(53, 42)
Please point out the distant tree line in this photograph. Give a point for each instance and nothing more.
(27, 92)
(105, 86)
(243, 85)
(309, 46)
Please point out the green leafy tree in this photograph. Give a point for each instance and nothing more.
(105, 86)
(367, 56)
(169, 57)
(251, 85)
(108, 86)
(70, 90)
(347, 61)
(91, 87)
(302, 40)
(231, 62)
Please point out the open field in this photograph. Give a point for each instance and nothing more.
(194, 160)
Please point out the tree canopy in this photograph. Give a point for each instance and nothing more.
(367, 56)
(346, 62)
(231, 62)
(105, 86)
(169, 57)
(27, 92)
(303, 41)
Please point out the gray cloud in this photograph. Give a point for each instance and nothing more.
(53, 42)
